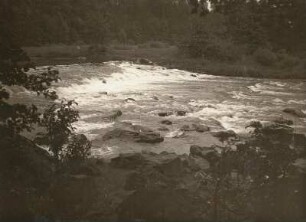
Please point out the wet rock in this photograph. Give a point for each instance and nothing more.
(196, 150)
(224, 135)
(138, 134)
(283, 121)
(115, 115)
(163, 129)
(104, 81)
(164, 114)
(199, 151)
(277, 130)
(295, 112)
(130, 100)
(140, 128)
(166, 122)
(103, 93)
(212, 157)
(200, 128)
(120, 133)
(181, 113)
(195, 127)
(118, 113)
(150, 138)
(155, 98)
(211, 106)
(187, 128)
(143, 61)
(128, 161)
(193, 75)
(278, 133)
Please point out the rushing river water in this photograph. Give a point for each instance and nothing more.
(219, 102)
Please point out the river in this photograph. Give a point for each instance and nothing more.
(142, 91)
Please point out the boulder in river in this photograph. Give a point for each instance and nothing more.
(150, 137)
(199, 151)
(181, 113)
(195, 127)
(164, 114)
(143, 61)
(212, 157)
(187, 128)
(137, 134)
(155, 98)
(166, 122)
(130, 100)
(277, 130)
(283, 121)
(163, 128)
(224, 135)
(140, 128)
(295, 112)
(115, 115)
(200, 128)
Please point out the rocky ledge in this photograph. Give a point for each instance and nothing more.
(136, 133)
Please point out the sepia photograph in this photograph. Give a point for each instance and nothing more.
(152, 110)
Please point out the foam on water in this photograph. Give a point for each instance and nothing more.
(84, 127)
(225, 102)
(301, 102)
(269, 89)
(131, 78)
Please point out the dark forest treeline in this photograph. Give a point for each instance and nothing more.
(265, 38)
(280, 23)
(37, 22)
(257, 38)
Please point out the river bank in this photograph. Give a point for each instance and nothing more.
(162, 54)
(148, 186)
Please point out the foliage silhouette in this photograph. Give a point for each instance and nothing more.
(15, 68)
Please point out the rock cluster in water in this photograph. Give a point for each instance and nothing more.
(136, 133)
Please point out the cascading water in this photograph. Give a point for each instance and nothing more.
(141, 92)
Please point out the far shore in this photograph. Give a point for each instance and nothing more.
(161, 54)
